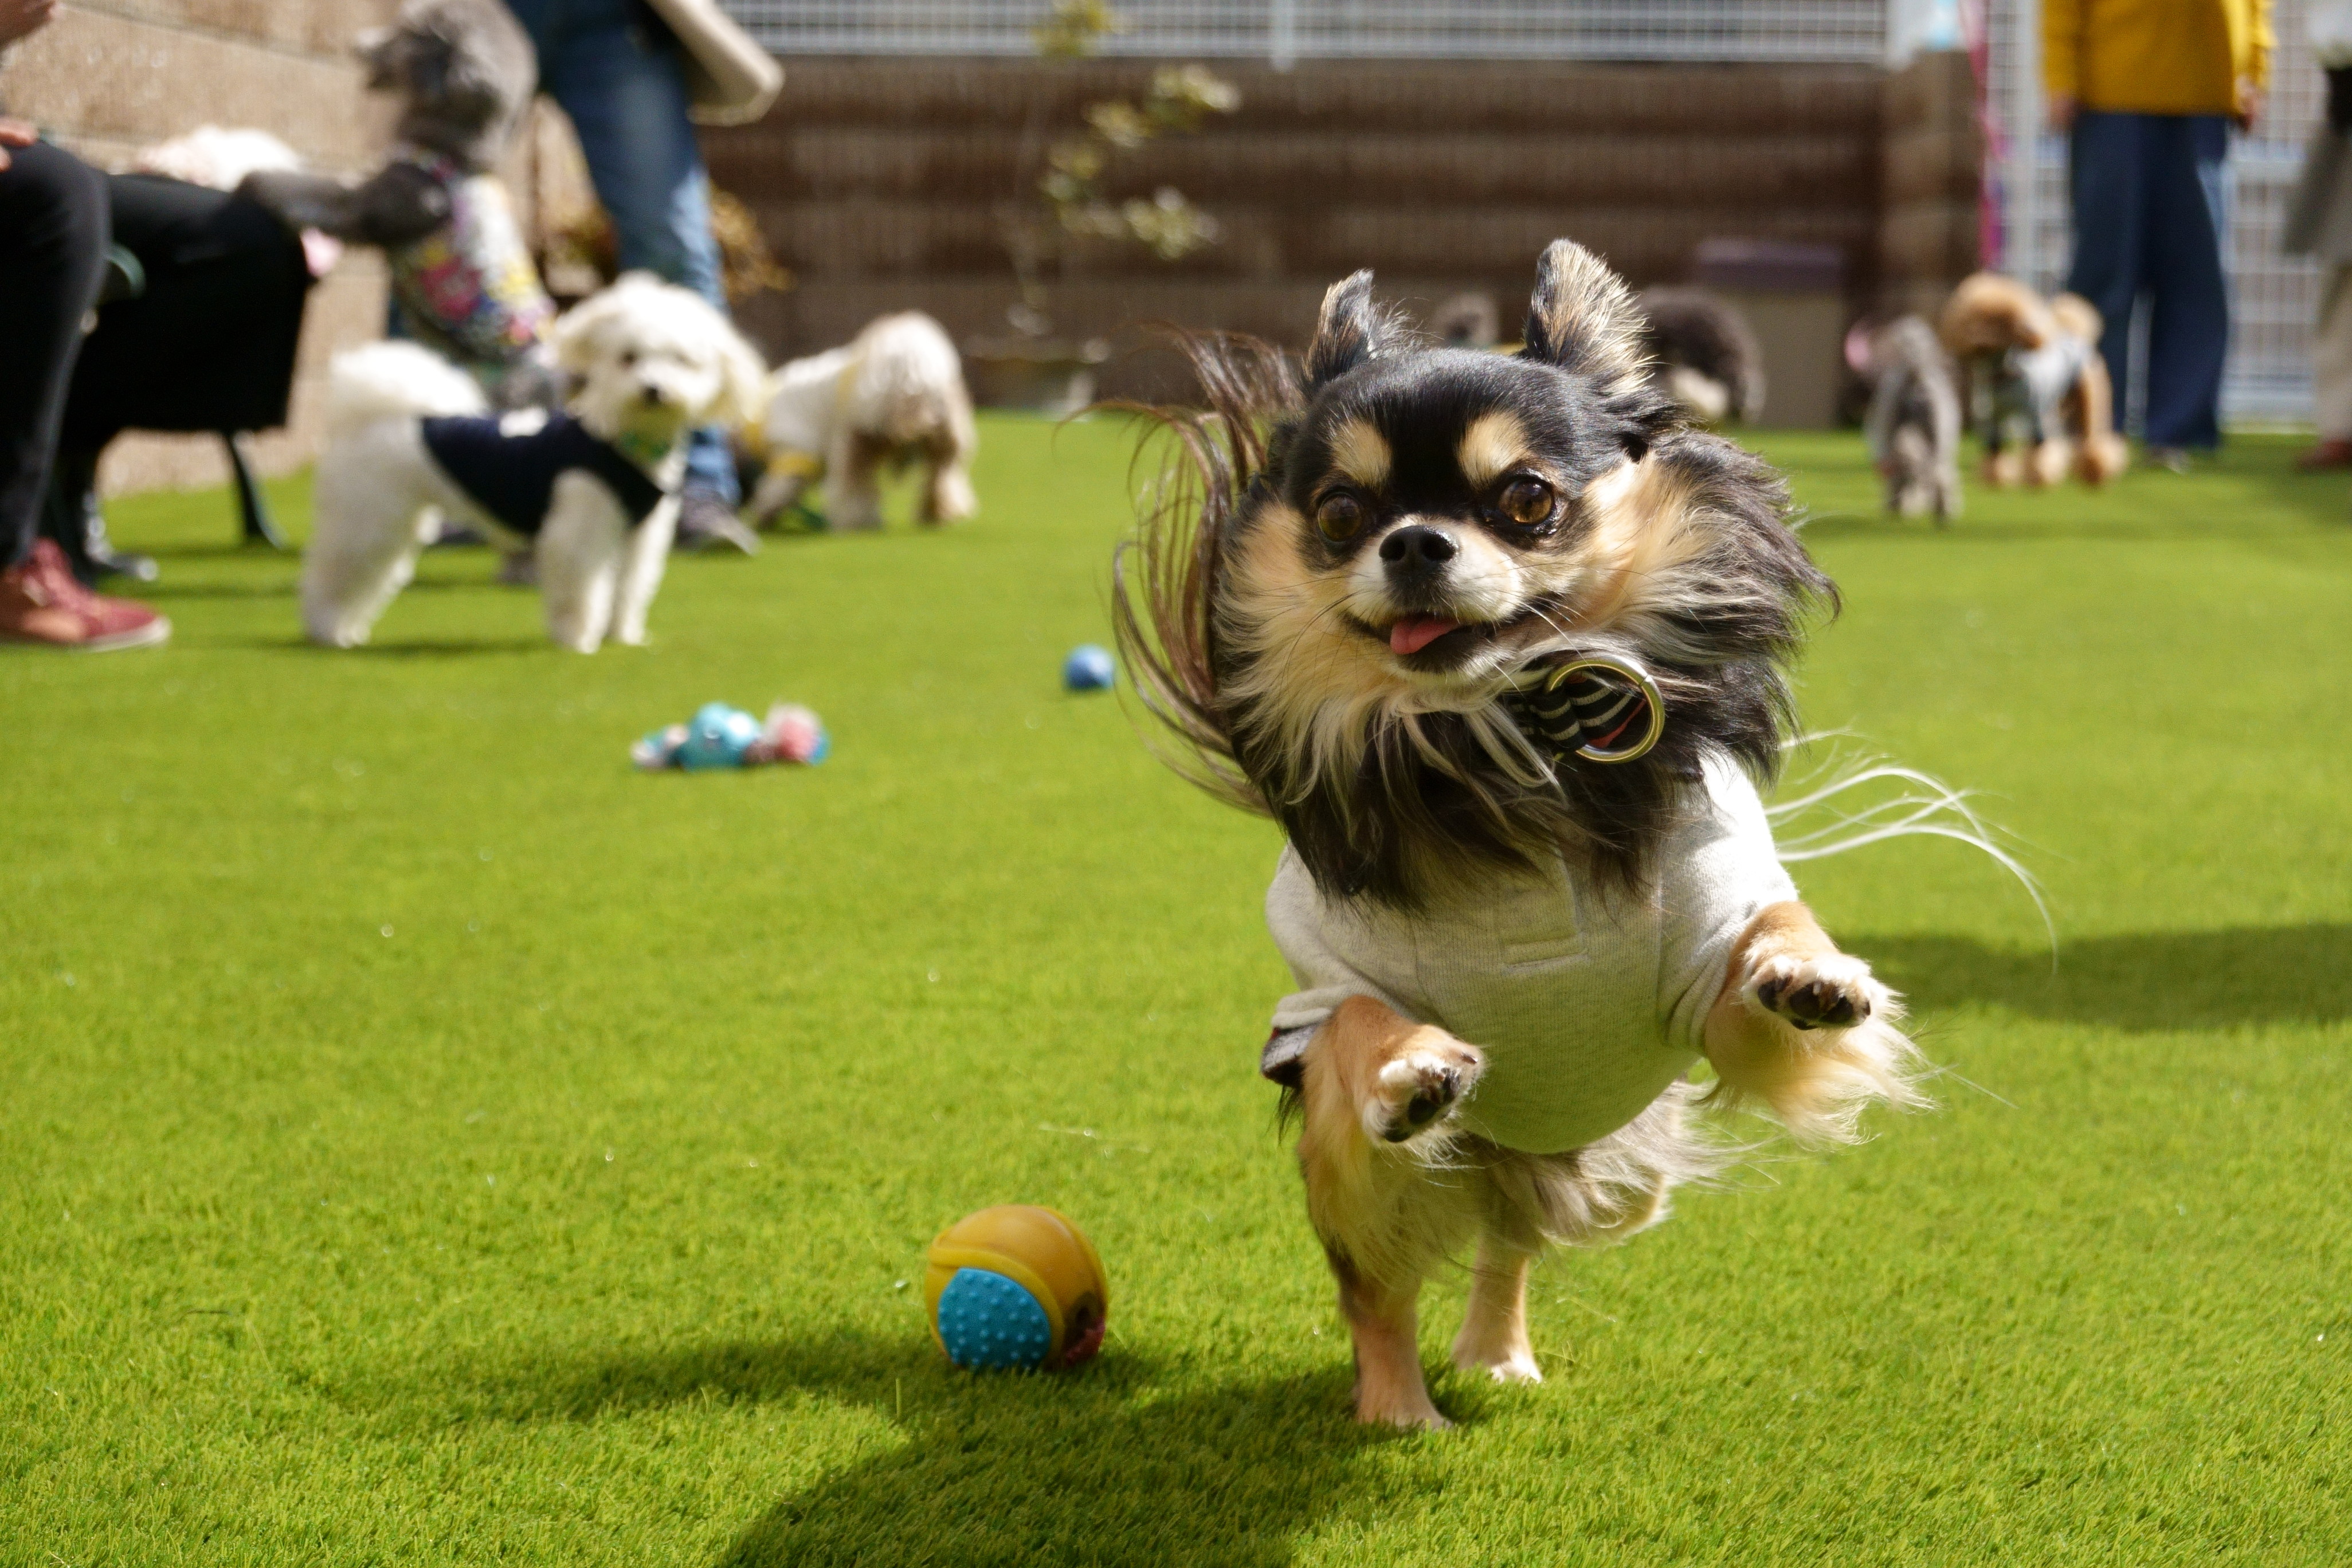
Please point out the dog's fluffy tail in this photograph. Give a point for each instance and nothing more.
(396, 381)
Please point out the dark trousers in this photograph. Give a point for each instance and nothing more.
(53, 239)
(2149, 221)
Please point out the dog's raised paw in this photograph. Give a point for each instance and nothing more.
(1420, 1084)
(1828, 991)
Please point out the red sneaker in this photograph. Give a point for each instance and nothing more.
(42, 603)
(2329, 452)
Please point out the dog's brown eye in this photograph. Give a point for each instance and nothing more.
(1339, 519)
(1527, 502)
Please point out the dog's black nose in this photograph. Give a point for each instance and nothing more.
(1415, 548)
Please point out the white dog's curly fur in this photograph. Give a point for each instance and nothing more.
(892, 394)
(650, 361)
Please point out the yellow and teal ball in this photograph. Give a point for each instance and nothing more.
(1016, 1285)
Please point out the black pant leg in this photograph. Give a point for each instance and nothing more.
(53, 239)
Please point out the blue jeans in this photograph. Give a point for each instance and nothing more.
(2150, 219)
(616, 71)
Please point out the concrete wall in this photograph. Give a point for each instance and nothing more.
(883, 183)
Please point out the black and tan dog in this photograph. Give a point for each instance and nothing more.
(1499, 642)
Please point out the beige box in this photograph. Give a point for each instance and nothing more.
(1804, 337)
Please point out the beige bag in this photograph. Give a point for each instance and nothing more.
(731, 78)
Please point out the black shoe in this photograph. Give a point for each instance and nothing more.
(705, 522)
(71, 517)
(457, 536)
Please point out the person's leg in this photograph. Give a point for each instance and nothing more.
(2105, 176)
(624, 90)
(2331, 373)
(2188, 323)
(53, 237)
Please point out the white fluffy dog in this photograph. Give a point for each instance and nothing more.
(894, 392)
(592, 489)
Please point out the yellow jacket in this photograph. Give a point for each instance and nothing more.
(2157, 56)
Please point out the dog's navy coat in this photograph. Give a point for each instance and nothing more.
(512, 477)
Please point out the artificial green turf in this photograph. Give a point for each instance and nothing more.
(428, 1141)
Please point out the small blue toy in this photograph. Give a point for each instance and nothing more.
(719, 736)
(1088, 669)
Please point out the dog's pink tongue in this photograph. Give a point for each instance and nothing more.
(1415, 633)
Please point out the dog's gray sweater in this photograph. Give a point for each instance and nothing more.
(1586, 1003)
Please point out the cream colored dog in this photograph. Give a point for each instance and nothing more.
(893, 393)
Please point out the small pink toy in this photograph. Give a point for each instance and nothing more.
(719, 736)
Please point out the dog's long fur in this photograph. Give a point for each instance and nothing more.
(1400, 779)
(652, 360)
(1385, 790)
(894, 392)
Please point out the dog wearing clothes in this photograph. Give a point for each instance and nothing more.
(1500, 643)
(461, 274)
(894, 393)
(592, 489)
(1914, 422)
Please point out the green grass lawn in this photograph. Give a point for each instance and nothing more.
(429, 1141)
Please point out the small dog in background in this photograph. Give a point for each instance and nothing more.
(1501, 642)
(1467, 321)
(2039, 394)
(464, 279)
(1703, 353)
(1914, 422)
(893, 395)
(592, 490)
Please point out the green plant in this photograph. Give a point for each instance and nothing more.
(1179, 102)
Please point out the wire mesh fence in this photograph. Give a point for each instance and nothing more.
(1815, 31)
(2272, 296)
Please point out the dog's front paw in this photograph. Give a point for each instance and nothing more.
(1420, 1084)
(1823, 991)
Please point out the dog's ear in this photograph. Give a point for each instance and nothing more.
(743, 395)
(572, 339)
(1351, 331)
(1583, 320)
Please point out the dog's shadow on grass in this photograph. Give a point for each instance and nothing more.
(1096, 1466)
(2139, 980)
(404, 648)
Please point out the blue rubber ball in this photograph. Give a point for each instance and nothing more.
(717, 737)
(990, 1320)
(1088, 669)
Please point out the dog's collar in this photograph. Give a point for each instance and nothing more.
(1602, 707)
(640, 450)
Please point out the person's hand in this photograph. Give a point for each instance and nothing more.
(2250, 107)
(14, 133)
(18, 17)
(2062, 112)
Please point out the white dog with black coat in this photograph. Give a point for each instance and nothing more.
(590, 489)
